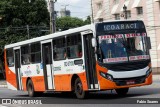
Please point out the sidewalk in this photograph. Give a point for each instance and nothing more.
(156, 77)
(3, 83)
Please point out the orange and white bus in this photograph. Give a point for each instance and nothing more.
(101, 56)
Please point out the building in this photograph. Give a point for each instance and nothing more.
(146, 10)
(64, 12)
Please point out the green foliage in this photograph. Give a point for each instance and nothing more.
(21, 12)
(64, 23)
(88, 20)
(16, 15)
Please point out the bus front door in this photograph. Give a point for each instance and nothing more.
(90, 62)
(18, 69)
(47, 65)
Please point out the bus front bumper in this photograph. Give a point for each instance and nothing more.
(108, 83)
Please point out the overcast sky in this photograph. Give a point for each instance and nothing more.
(78, 8)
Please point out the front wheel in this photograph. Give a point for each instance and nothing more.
(122, 91)
(80, 93)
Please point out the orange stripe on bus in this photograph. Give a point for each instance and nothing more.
(63, 82)
(38, 82)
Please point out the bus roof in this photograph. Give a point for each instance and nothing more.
(50, 36)
(58, 34)
(128, 20)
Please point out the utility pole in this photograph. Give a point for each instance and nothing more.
(52, 16)
(125, 11)
(92, 19)
(28, 31)
(28, 25)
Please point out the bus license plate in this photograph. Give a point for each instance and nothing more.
(130, 82)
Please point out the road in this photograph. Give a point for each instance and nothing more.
(94, 99)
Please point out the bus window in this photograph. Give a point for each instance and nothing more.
(59, 49)
(10, 57)
(25, 54)
(74, 46)
(35, 53)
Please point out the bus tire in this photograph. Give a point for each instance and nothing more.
(30, 89)
(122, 91)
(78, 88)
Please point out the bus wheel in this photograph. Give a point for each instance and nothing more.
(80, 93)
(122, 91)
(30, 89)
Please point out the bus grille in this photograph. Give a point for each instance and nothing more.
(123, 82)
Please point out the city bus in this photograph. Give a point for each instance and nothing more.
(112, 55)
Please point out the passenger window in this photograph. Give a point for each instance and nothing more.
(35, 53)
(25, 55)
(59, 49)
(10, 57)
(74, 46)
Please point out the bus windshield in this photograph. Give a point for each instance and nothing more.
(122, 42)
(123, 47)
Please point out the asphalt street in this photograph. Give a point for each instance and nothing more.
(94, 99)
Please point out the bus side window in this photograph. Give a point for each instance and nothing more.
(36, 52)
(74, 46)
(25, 55)
(59, 49)
(10, 57)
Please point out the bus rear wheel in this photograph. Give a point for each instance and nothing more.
(122, 91)
(80, 93)
(30, 89)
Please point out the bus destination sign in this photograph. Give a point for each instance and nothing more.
(120, 26)
(117, 26)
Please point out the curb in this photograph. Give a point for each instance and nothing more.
(3, 86)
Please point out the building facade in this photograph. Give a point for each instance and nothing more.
(146, 10)
(64, 12)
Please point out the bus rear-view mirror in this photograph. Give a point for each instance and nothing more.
(149, 43)
(94, 43)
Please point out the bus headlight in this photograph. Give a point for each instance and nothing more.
(107, 76)
(148, 72)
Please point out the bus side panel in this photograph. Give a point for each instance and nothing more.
(63, 82)
(35, 72)
(24, 83)
(107, 84)
(10, 74)
(83, 80)
(38, 82)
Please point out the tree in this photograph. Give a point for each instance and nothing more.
(16, 15)
(64, 23)
(88, 20)
(21, 12)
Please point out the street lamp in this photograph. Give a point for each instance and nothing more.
(125, 11)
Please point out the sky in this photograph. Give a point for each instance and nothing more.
(78, 8)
